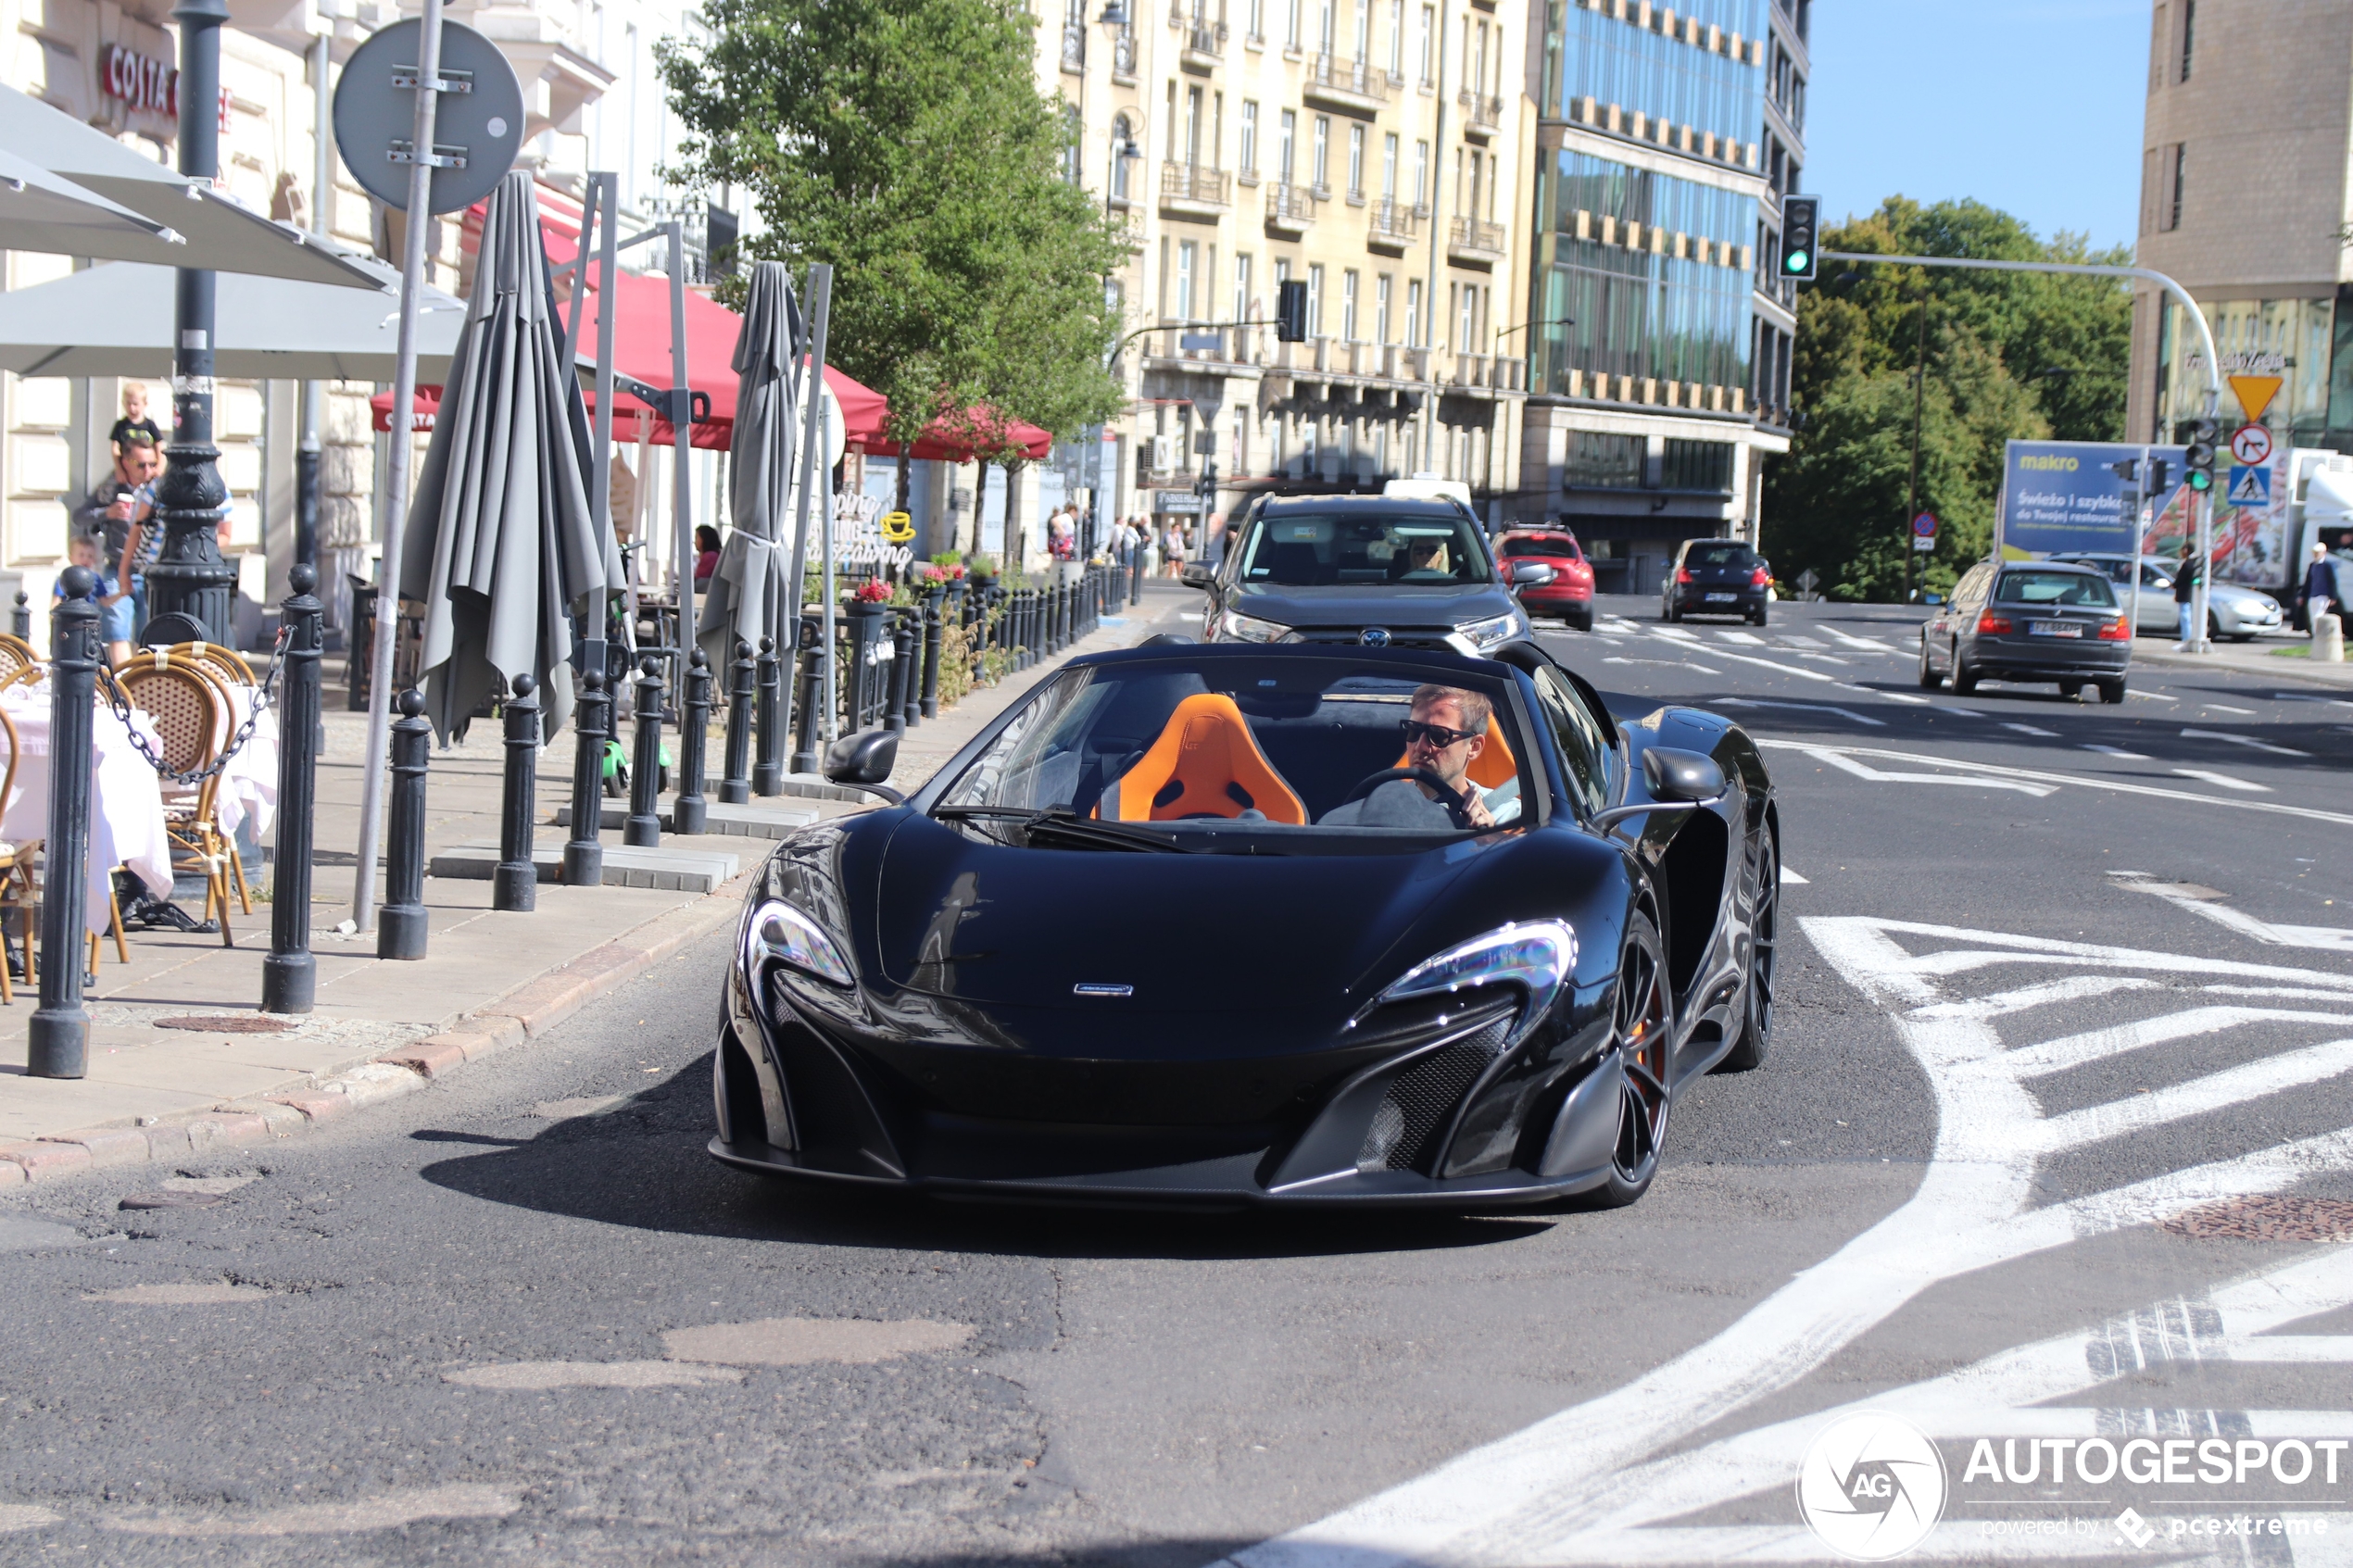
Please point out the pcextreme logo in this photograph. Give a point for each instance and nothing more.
(1871, 1486)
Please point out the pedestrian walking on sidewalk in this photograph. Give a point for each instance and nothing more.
(2185, 592)
(2319, 588)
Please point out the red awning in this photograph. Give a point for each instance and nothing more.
(953, 441)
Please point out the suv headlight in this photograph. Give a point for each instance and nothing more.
(1250, 629)
(780, 933)
(1483, 634)
(1537, 954)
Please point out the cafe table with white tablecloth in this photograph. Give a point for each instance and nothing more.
(126, 802)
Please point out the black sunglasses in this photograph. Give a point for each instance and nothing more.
(1438, 735)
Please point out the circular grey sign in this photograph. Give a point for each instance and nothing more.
(376, 108)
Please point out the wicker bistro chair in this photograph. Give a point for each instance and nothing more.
(225, 663)
(187, 708)
(15, 654)
(224, 669)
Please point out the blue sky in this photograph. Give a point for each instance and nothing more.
(2030, 105)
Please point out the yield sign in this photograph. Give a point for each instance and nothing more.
(2255, 393)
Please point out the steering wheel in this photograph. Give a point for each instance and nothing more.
(1447, 795)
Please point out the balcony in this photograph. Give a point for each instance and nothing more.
(1482, 114)
(1123, 59)
(1476, 240)
(1392, 225)
(1073, 46)
(1204, 45)
(1289, 210)
(1194, 190)
(1353, 86)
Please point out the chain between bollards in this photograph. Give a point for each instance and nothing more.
(688, 812)
(585, 850)
(514, 883)
(643, 828)
(768, 772)
(735, 789)
(290, 973)
(59, 1036)
(400, 924)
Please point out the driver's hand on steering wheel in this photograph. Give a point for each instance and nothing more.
(1475, 807)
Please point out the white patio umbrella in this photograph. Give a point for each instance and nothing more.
(502, 545)
(201, 228)
(42, 211)
(748, 590)
(115, 320)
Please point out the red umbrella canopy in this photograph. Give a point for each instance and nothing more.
(956, 438)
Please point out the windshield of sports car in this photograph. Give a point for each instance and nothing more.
(2078, 588)
(1252, 755)
(1431, 546)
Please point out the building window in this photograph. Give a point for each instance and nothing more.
(1324, 27)
(1242, 311)
(1320, 171)
(1315, 299)
(1696, 465)
(1388, 166)
(2189, 35)
(1250, 136)
(1348, 305)
(1602, 462)
(1465, 341)
(1193, 125)
(1397, 40)
(1357, 163)
(1364, 30)
(1286, 145)
(1413, 313)
(1421, 176)
(1121, 133)
(1188, 253)
(1073, 170)
(2173, 196)
(1429, 31)
(1381, 308)
(1290, 25)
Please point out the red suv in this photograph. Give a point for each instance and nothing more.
(1570, 592)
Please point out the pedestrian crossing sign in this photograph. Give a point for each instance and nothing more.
(2250, 486)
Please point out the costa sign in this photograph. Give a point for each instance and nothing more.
(140, 81)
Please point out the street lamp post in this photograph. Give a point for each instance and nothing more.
(1912, 494)
(190, 576)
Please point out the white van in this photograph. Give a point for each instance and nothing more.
(1429, 487)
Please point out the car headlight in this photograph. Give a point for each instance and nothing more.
(780, 933)
(1250, 629)
(1537, 954)
(1484, 634)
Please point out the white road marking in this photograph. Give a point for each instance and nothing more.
(1901, 696)
(1791, 640)
(1827, 657)
(1791, 879)
(2030, 730)
(1677, 635)
(1803, 707)
(1854, 642)
(2152, 696)
(2248, 741)
(1965, 712)
(2118, 751)
(2091, 781)
(2224, 780)
(1862, 770)
(1585, 1484)
(2309, 697)
(2226, 708)
(1667, 663)
(1747, 639)
(2327, 938)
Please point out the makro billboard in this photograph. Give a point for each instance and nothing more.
(2062, 497)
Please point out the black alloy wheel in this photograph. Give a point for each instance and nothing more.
(1756, 1039)
(1642, 1034)
(1930, 679)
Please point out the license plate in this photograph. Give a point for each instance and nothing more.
(2054, 629)
(1722, 598)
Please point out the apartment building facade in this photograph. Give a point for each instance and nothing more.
(1373, 149)
(1664, 139)
(2245, 201)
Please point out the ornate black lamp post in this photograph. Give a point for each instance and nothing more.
(190, 575)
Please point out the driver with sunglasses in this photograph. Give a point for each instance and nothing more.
(1447, 731)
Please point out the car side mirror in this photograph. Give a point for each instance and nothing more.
(1685, 777)
(864, 761)
(1197, 574)
(1531, 574)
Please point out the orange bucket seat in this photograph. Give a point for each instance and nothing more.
(1207, 753)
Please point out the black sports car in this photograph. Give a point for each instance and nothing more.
(1285, 925)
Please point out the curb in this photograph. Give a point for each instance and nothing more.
(522, 1015)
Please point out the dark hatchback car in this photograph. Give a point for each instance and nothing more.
(1717, 577)
(1570, 592)
(1377, 570)
(2033, 622)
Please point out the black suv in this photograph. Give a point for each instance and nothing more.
(1370, 569)
(1717, 577)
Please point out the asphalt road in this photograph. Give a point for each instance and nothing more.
(2064, 993)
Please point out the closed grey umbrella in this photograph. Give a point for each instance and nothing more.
(502, 547)
(749, 589)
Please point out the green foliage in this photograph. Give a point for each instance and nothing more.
(904, 143)
(2009, 356)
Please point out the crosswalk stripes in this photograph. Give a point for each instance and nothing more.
(1996, 1022)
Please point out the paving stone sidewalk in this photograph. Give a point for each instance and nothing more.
(181, 1058)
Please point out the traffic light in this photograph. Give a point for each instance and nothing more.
(1290, 311)
(2159, 472)
(2199, 459)
(1801, 218)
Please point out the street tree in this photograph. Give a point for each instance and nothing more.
(904, 142)
(2008, 355)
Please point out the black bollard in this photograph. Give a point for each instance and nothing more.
(643, 828)
(931, 652)
(58, 1037)
(1136, 575)
(591, 727)
(735, 788)
(22, 624)
(290, 974)
(906, 642)
(400, 924)
(768, 773)
(514, 885)
(690, 810)
(804, 751)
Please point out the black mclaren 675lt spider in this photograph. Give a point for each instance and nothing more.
(1282, 925)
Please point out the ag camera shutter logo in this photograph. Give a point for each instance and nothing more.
(1871, 1486)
